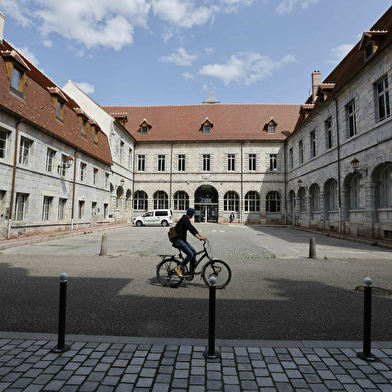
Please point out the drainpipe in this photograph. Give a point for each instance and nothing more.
(171, 175)
(338, 150)
(242, 184)
(285, 182)
(73, 190)
(13, 179)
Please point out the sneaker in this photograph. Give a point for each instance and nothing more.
(179, 271)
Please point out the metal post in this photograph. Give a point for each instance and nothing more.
(61, 346)
(366, 355)
(312, 248)
(211, 353)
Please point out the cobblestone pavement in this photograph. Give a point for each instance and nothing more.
(225, 242)
(96, 363)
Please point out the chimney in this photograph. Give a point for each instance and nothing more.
(2, 17)
(316, 80)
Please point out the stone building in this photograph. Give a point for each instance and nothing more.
(339, 157)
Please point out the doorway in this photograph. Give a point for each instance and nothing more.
(206, 204)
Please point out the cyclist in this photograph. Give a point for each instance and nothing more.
(182, 227)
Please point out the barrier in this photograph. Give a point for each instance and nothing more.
(104, 246)
(211, 353)
(312, 248)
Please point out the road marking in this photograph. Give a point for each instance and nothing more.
(295, 250)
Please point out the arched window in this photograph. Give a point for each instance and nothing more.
(181, 201)
(332, 194)
(140, 201)
(160, 200)
(230, 201)
(273, 202)
(356, 191)
(252, 202)
(315, 197)
(386, 188)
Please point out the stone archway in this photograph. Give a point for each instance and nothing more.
(206, 204)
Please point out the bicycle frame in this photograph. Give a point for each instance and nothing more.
(197, 262)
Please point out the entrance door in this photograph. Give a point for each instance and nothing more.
(206, 204)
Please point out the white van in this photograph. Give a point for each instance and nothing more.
(154, 217)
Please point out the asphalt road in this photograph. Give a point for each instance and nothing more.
(276, 291)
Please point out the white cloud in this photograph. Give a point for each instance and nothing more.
(48, 43)
(245, 68)
(187, 75)
(209, 50)
(179, 57)
(26, 53)
(17, 10)
(86, 87)
(339, 52)
(287, 6)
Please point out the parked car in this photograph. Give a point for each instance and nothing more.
(154, 217)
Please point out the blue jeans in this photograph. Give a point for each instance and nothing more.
(188, 249)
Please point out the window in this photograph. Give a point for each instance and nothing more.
(46, 208)
(252, 202)
(106, 180)
(181, 162)
(93, 208)
(301, 151)
(369, 50)
(83, 125)
(384, 108)
(315, 197)
(313, 144)
(20, 209)
(3, 143)
(105, 210)
(352, 130)
(141, 163)
(207, 128)
(83, 170)
(24, 150)
(231, 202)
(140, 200)
(161, 162)
(95, 135)
(231, 162)
(206, 162)
(16, 79)
(81, 209)
(95, 176)
(50, 154)
(144, 129)
(61, 168)
(252, 162)
(160, 200)
(122, 152)
(356, 190)
(271, 128)
(61, 211)
(181, 201)
(328, 134)
(291, 158)
(333, 195)
(386, 188)
(273, 202)
(60, 109)
(273, 161)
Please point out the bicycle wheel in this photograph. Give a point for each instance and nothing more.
(166, 274)
(220, 270)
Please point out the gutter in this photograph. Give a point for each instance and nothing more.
(339, 174)
(73, 190)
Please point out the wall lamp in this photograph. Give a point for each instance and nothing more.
(122, 182)
(356, 168)
(67, 164)
(299, 183)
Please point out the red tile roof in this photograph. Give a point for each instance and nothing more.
(230, 121)
(36, 107)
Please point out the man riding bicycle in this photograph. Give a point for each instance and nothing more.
(182, 226)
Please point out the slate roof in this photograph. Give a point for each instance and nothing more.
(230, 122)
(37, 108)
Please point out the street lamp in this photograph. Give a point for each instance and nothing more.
(299, 183)
(355, 166)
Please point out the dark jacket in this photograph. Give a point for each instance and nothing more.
(184, 225)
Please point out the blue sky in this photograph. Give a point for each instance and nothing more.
(167, 52)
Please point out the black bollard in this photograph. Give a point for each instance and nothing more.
(211, 353)
(366, 355)
(61, 346)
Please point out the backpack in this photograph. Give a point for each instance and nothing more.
(172, 234)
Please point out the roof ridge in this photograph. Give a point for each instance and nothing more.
(220, 104)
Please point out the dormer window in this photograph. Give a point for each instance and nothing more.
(122, 118)
(16, 70)
(144, 127)
(95, 130)
(206, 126)
(271, 125)
(59, 100)
(83, 120)
(271, 128)
(369, 50)
(370, 42)
(305, 109)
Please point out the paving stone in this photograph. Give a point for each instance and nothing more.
(284, 387)
(264, 381)
(89, 386)
(54, 385)
(279, 377)
(197, 380)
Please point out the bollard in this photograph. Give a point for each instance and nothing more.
(104, 246)
(211, 353)
(312, 248)
(61, 346)
(366, 355)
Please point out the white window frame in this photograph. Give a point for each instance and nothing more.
(313, 144)
(161, 162)
(273, 202)
(50, 156)
(328, 134)
(252, 162)
(301, 152)
(161, 200)
(24, 150)
(141, 163)
(383, 99)
(230, 162)
(83, 171)
(351, 120)
(61, 209)
(273, 158)
(21, 206)
(95, 176)
(3, 143)
(181, 201)
(46, 208)
(231, 202)
(181, 162)
(140, 200)
(206, 162)
(252, 202)
(386, 188)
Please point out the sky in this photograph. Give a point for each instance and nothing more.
(168, 52)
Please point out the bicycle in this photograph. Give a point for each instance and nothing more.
(167, 276)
